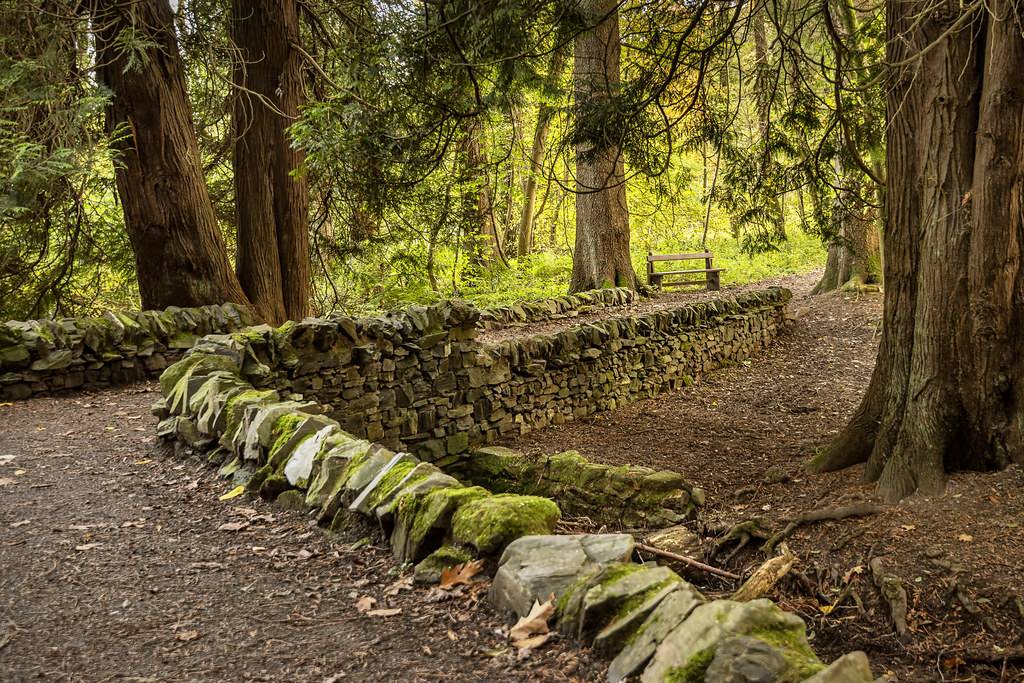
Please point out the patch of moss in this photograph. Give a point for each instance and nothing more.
(800, 658)
(693, 671)
(489, 524)
(389, 482)
(190, 365)
(284, 428)
(430, 568)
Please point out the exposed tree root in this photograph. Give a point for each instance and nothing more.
(688, 561)
(895, 595)
(820, 515)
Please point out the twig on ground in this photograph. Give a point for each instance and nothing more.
(892, 590)
(766, 576)
(689, 561)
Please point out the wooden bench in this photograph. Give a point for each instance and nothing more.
(710, 275)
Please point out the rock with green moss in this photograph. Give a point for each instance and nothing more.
(384, 483)
(619, 596)
(237, 413)
(445, 557)
(300, 462)
(417, 516)
(292, 429)
(742, 659)
(259, 432)
(489, 524)
(291, 499)
(328, 472)
(644, 640)
(686, 653)
(196, 365)
(419, 483)
(534, 567)
(364, 465)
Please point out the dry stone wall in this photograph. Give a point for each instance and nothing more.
(419, 379)
(559, 308)
(50, 356)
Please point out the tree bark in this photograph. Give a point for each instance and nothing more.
(540, 136)
(948, 388)
(763, 102)
(483, 242)
(601, 257)
(271, 204)
(180, 256)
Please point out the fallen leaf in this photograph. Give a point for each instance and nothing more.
(460, 574)
(232, 526)
(7, 481)
(142, 462)
(535, 622)
(398, 586)
(233, 493)
(186, 636)
(533, 642)
(21, 523)
(384, 612)
(451, 635)
(365, 603)
(966, 538)
(5, 404)
(88, 546)
(207, 565)
(18, 473)
(4, 459)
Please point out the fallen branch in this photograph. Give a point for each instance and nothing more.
(765, 577)
(820, 515)
(689, 561)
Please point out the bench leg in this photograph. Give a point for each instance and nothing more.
(714, 283)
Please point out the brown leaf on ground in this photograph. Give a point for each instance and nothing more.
(402, 584)
(186, 636)
(88, 546)
(232, 526)
(536, 622)
(384, 612)
(533, 642)
(460, 574)
(364, 604)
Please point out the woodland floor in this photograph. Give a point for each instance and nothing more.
(114, 564)
(744, 433)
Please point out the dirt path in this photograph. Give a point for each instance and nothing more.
(113, 565)
(744, 434)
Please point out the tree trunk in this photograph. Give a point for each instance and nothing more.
(271, 205)
(601, 257)
(763, 102)
(540, 135)
(948, 388)
(478, 215)
(180, 256)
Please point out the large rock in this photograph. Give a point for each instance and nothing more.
(536, 567)
(664, 619)
(489, 524)
(742, 659)
(686, 653)
(419, 516)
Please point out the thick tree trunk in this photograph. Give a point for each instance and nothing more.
(271, 204)
(180, 256)
(948, 388)
(601, 257)
(540, 136)
(483, 242)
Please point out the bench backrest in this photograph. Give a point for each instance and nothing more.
(651, 258)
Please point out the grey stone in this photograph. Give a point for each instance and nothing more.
(676, 539)
(742, 659)
(669, 613)
(423, 479)
(850, 668)
(536, 567)
(690, 643)
(362, 501)
(300, 463)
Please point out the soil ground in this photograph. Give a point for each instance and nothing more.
(115, 564)
(744, 434)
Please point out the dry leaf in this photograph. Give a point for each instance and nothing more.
(23, 522)
(460, 574)
(232, 526)
(451, 635)
(88, 546)
(364, 603)
(533, 642)
(233, 493)
(384, 612)
(535, 622)
(966, 538)
(7, 481)
(398, 586)
(186, 636)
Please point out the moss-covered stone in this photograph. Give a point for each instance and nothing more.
(417, 515)
(445, 557)
(693, 670)
(489, 524)
(197, 363)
